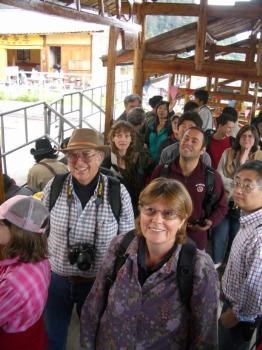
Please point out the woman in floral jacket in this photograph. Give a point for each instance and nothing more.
(143, 309)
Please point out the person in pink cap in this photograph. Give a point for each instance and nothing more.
(24, 273)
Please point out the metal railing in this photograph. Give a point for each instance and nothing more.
(21, 127)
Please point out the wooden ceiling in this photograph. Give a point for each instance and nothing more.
(162, 54)
(183, 39)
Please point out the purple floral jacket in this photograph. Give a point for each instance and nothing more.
(151, 316)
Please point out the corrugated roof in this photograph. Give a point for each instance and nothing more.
(17, 21)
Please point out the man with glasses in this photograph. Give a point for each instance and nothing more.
(242, 280)
(82, 225)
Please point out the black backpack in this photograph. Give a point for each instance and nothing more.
(114, 196)
(210, 195)
(185, 267)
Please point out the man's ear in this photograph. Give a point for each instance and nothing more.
(203, 150)
(101, 156)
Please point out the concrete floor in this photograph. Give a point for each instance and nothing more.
(73, 335)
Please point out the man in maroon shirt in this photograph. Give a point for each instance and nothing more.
(222, 138)
(189, 169)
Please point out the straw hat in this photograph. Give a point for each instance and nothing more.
(84, 139)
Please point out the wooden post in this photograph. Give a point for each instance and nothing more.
(259, 56)
(201, 35)
(209, 84)
(44, 56)
(110, 79)
(138, 59)
(212, 52)
(171, 82)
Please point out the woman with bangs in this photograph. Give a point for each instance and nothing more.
(124, 162)
(144, 308)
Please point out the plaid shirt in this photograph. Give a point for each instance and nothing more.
(242, 280)
(90, 225)
(23, 293)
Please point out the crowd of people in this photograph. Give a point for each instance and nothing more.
(146, 235)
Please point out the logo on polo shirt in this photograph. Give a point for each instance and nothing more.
(200, 187)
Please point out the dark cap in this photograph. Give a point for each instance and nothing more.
(42, 146)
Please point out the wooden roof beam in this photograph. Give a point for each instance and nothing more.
(257, 27)
(123, 57)
(62, 11)
(101, 7)
(223, 95)
(230, 49)
(210, 38)
(217, 69)
(245, 10)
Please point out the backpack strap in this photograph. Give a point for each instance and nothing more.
(114, 196)
(232, 140)
(56, 188)
(121, 257)
(185, 271)
(210, 195)
(164, 170)
(48, 167)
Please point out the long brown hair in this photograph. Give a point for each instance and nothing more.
(28, 246)
(126, 127)
(245, 128)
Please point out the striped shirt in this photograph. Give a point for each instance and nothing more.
(242, 280)
(94, 225)
(23, 293)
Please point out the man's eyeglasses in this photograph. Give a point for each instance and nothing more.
(245, 186)
(85, 156)
(168, 214)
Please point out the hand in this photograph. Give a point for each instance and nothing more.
(244, 156)
(206, 226)
(228, 318)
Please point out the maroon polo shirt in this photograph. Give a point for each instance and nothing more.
(195, 184)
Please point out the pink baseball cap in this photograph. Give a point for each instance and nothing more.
(25, 212)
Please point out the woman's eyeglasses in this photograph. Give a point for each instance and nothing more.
(168, 214)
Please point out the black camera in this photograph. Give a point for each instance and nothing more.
(81, 254)
(200, 222)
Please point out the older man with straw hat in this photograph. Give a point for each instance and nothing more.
(82, 225)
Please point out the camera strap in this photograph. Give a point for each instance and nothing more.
(69, 198)
(100, 192)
